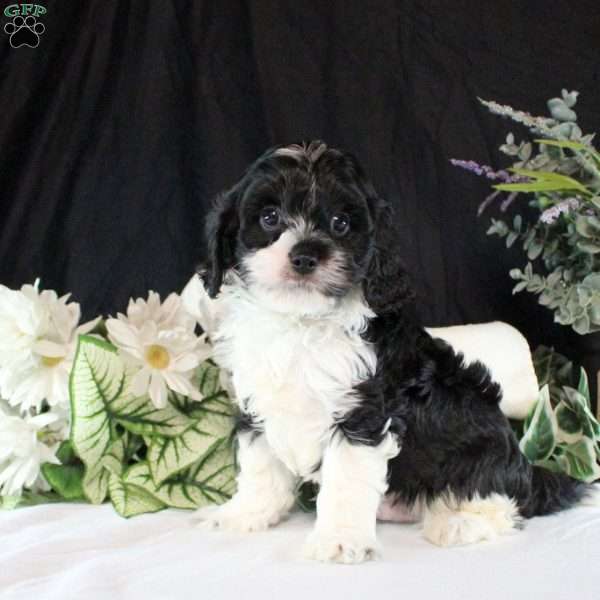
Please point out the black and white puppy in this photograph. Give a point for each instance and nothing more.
(337, 381)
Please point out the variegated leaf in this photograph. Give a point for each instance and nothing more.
(579, 461)
(167, 456)
(130, 500)
(210, 480)
(540, 437)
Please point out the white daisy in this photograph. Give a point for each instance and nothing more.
(168, 315)
(22, 319)
(22, 452)
(38, 336)
(165, 349)
(200, 305)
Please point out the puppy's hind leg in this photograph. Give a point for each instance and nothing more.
(448, 522)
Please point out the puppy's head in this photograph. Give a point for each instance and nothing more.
(304, 228)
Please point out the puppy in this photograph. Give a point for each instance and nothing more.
(339, 384)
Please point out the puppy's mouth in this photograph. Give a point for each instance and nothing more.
(291, 279)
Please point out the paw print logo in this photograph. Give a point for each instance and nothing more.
(24, 31)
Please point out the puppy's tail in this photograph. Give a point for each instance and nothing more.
(551, 492)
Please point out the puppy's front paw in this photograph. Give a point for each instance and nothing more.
(232, 516)
(342, 546)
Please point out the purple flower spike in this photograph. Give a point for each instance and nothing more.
(471, 165)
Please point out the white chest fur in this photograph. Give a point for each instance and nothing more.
(294, 372)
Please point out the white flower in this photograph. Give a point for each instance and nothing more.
(38, 336)
(168, 315)
(22, 452)
(21, 321)
(165, 348)
(200, 305)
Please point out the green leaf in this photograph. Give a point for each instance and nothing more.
(210, 480)
(95, 483)
(588, 247)
(583, 386)
(140, 416)
(589, 423)
(511, 238)
(66, 480)
(579, 461)
(569, 424)
(588, 226)
(550, 464)
(66, 454)
(535, 249)
(97, 379)
(169, 455)
(96, 478)
(564, 144)
(540, 438)
(189, 458)
(28, 498)
(542, 181)
(130, 500)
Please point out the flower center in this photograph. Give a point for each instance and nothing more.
(51, 361)
(157, 357)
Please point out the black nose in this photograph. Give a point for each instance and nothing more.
(303, 263)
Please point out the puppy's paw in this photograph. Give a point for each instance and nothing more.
(342, 547)
(458, 529)
(231, 516)
(471, 521)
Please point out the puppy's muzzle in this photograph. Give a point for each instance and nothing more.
(306, 255)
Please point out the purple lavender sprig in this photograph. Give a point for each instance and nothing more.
(487, 171)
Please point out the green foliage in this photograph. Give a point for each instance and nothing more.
(143, 458)
(560, 172)
(561, 432)
(67, 478)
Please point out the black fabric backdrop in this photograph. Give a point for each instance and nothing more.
(116, 131)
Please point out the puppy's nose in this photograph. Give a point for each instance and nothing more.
(303, 263)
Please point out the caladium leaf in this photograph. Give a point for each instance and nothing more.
(169, 455)
(97, 475)
(579, 403)
(184, 451)
(130, 500)
(579, 461)
(569, 424)
(584, 387)
(540, 437)
(210, 480)
(98, 378)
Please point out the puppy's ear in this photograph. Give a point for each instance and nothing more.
(221, 230)
(386, 284)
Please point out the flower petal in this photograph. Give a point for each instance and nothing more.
(121, 333)
(140, 382)
(185, 362)
(87, 327)
(158, 391)
(51, 349)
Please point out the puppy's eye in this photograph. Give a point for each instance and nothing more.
(270, 218)
(340, 224)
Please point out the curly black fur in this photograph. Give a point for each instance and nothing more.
(454, 437)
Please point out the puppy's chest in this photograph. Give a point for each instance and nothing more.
(295, 375)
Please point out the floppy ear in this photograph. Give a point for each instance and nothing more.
(222, 225)
(386, 284)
